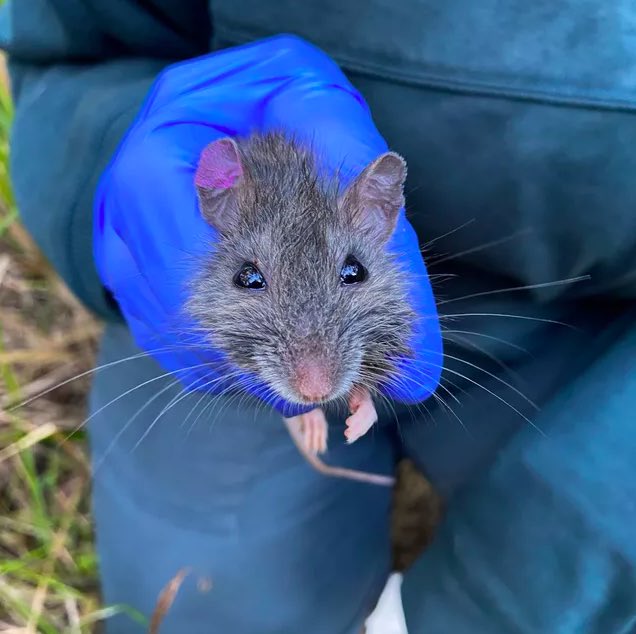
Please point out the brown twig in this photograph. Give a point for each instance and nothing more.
(166, 599)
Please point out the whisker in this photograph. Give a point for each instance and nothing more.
(450, 410)
(443, 387)
(384, 399)
(418, 371)
(420, 407)
(528, 287)
(173, 401)
(481, 334)
(430, 243)
(184, 393)
(213, 403)
(499, 398)
(130, 421)
(238, 393)
(86, 373)
(482, 247)
(497, 378)
(240, 397)
(505, 315)
(126, 393)
(207, 406)
(202, 398)
(397, 381)
(486, 353)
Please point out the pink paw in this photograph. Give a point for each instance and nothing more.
(312, 430)
(363, 414)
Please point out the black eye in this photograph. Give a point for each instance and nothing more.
(352, 272)
(249, 277)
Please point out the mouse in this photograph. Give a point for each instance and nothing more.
(299, 288)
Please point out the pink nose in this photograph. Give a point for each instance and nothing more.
(313, 380)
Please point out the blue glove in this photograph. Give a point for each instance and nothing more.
(148, 228)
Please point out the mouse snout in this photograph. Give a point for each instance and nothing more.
(312, 379)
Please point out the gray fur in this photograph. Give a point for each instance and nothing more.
(299, 230)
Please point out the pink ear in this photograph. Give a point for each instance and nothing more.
(218, 175)
(219, 165)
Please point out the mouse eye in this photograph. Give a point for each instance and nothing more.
(352, 272)
(249, 277)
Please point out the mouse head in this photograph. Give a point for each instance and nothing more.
(299, 288)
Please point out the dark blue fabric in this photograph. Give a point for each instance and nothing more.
(558, 529)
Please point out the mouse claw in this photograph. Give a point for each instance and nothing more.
(363, 414)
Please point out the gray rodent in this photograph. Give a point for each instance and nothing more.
(300, 290)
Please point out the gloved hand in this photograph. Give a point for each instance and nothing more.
(148, 229)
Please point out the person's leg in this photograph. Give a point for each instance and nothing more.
(216, 486)
(504, 360)
(512, 487)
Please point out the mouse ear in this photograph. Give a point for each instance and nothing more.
(218, 175)
(375, 197)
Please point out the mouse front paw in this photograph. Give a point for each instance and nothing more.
(312, 430)
(363, 414)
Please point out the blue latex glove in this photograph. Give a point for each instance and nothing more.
(147, 222)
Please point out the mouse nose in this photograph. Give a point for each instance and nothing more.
(313, 379)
